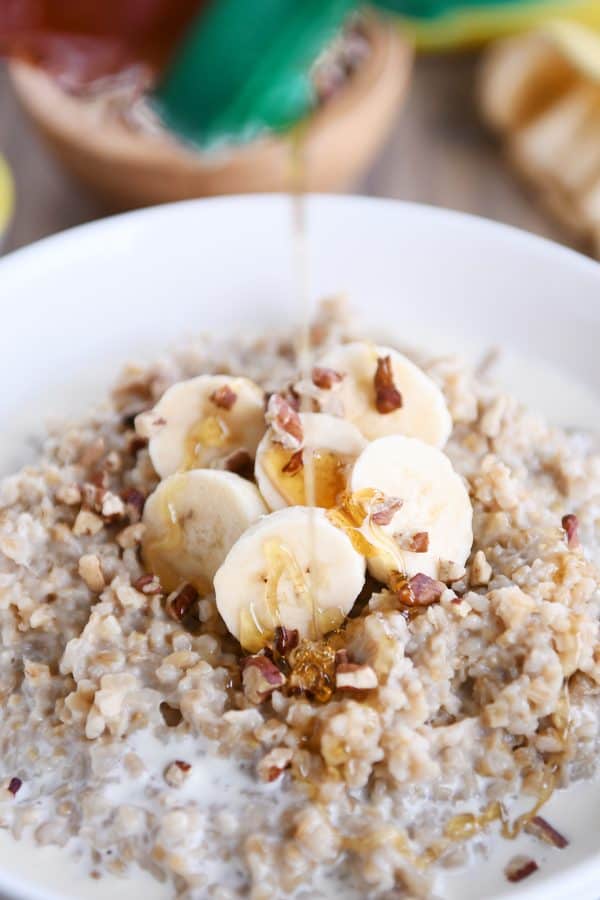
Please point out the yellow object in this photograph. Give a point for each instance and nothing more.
(578, 44)
(7, 195)
(470, 27)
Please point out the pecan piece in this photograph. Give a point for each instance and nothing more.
(325, 378)
(273, 765)
(354, 677)
(260, 677)
(383, 513)
(414, 543)
(294, 463)
(570, 524)
(224, 397)
(180, 602)
(148, 584)
(387, 396)
(286, 639)
(172, 716)
(520, 867)
(134, 502)
(420, 590)
(543, 830)
(285, 422)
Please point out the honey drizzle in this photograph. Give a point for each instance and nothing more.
(330, 472)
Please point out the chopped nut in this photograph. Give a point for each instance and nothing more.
(148, 584)
(240, 462)
(449, 571)
(177, 772)
(180, 602)
(112, 506)
(353, 677)
(414, 543)
(90, 570)
(273, 765)
(543, 830)
(387, 396)
(224, 397)
(134, 502)
(383, 513)
(325, 378)
(14, 785)
(92, 496)
(294, 464)
(171, 715)
(286, 639)
(420, 590)
(131, 536)
(87, 523)
(520, 867)
(341, 657)
(570, 524)
(136, 443)
(481, 571)
(69, 494)
(260, 677)
(285, 422)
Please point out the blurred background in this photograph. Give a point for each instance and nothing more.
(490, 108)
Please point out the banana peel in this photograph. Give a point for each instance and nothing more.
(541, 93)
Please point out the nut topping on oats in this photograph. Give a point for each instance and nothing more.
(293, 568)
(435, 503)
(198, 422)
(384, 393)
(332, 444)
(192, 520)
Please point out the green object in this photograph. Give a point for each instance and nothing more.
(244, 68)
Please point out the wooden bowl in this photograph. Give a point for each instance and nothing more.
(128, 168)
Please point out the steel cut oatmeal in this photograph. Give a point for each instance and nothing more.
(270, 635)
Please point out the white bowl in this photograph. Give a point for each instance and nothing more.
(77, 304)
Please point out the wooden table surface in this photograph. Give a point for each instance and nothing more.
(438, 153)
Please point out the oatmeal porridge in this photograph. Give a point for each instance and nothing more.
(274, 634)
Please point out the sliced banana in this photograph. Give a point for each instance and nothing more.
(382, 392)
(293, 568)
(192, 520)
(203, 420)
(423, 515)
(318, 471)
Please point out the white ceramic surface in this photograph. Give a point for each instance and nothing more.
(77, 304)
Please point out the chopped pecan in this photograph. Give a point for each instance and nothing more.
(136, 443)
(180, 602)
(387, 396)
(177, 772)
(240, 462)
(294, 463)
(420, 590)
(414, 543)
(286, 639)
(224, 397)
(383, 513)
(273, 765)
(570, 524)
(354, 677)
(87, 523)
(112, 506)
(260, 677)
(520, 867)
(543, 830)
(325, 378)
(14, 785)
(184, 766)
(134, 502)
(148, 584)
(341, 657)
(480, 571)
(285, 422)
(171, 714)
(90, 570)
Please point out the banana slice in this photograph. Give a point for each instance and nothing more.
(418, 511)
(192, 520)
(382, 392)
(199, 422)
(293, 568)
(328, 450)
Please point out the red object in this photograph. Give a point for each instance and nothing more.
(79, 41)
